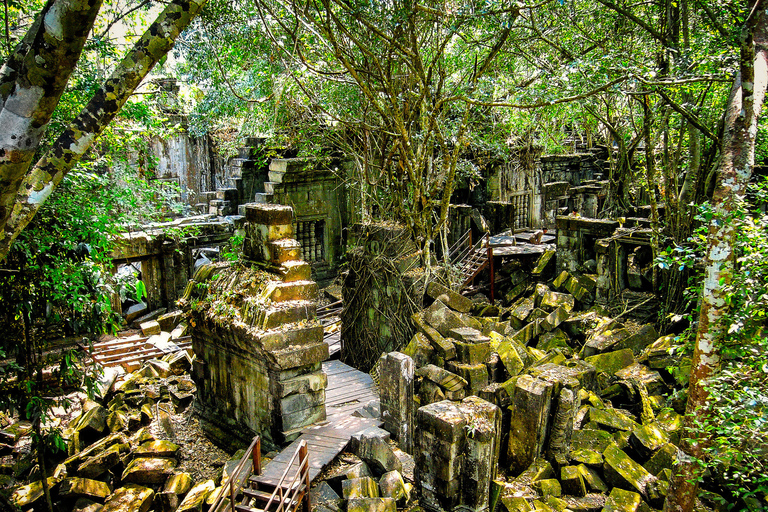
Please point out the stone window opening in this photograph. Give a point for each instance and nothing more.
(311, 235)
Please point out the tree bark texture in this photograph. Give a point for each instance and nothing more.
(735, 169)
(34, 185)
(31, 83)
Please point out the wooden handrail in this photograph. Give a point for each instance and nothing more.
(302, 474)
(253, 455)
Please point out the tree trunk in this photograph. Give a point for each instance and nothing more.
(31, 82)
(737, 159)
(40, 181)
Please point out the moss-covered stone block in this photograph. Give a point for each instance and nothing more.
(621, 471)
(450, 298)
(130, 497)
(553, 300)
(610, 419)
(531, 404)
(473, 353)
(548, 487)
(611, 362)
(363, 487)
(621, 500)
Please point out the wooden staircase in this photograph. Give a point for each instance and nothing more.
(254, 495)
(468, 259)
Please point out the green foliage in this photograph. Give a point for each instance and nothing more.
(737, 419)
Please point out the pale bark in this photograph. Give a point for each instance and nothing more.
(737, 159)
(42, 179)
(31, 82)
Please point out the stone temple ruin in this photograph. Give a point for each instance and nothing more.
(523, 394)
(256, 338)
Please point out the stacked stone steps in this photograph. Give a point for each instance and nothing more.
(299, 338)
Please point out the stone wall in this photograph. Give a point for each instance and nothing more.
(576, 238)
(186, 161)
(165, 255)
(258, 343)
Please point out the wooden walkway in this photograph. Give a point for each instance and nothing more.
(348, 390)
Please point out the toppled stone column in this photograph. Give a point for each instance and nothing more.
(258, 343)
(456, 454)
(396, 395)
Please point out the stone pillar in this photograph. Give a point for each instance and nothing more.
(456, 453)
(531, 405)
(396, 394)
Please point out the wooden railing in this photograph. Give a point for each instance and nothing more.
(239, 477)
(289, 496)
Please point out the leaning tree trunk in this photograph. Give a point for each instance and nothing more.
(32, 80)
(42, 179)
(737, 159)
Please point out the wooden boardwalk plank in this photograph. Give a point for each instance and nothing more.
(348, 390)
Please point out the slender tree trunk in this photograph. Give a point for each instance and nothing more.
(737, 159)
(42, 179)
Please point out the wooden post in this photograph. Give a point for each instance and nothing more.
(256, 456)
(304, 465)
(490, 264)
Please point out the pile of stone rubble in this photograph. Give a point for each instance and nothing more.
(584, 420)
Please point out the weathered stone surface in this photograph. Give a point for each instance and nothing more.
(130, 498)
(621, 471)
(562, 425)
(396, 395)
(646, 439)
(664, 458)
(443, 347)
(179, 483)
(392, 485)
(572, 481)
(440, 317)
(420, 350)
(179, 362)
(552, 300)
(92, 422)
(522, 308)
(98, 464)
(468, 335)
(450, 298)
(378, 455)
(363, 487)
(543, 263)
(549, 487)
(150, 328)
(551, 340)
(156, 449)
(87, 505)
(371, 505)
(623, 501)
(530, 421)
(611, 362)
(592, 479)
(513, 356)
(651, 379)
(610, 419)
(195, 498)
(162, 368)
(590, 439)
(148, 470)
(473, 353)
(324, 493)
(476, 375)
(26, 495)
(638, 341)
(577, 370)
(553, 319)
(593, 458)
(74, 487)
(442, 377)
(605, 342)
